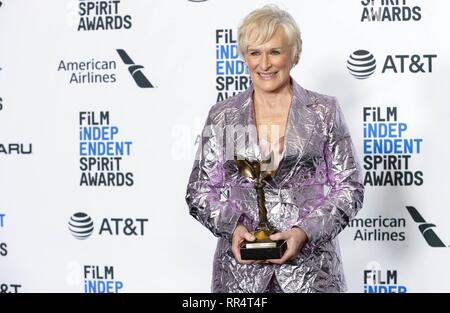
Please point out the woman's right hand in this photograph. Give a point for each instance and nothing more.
(239, 235)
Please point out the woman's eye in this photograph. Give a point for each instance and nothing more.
(254, 53)
(276, 52)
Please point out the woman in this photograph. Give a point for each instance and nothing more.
(312, 149)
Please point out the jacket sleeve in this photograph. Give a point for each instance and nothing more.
(205, 182)
(346, 194)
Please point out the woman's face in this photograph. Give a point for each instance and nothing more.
(270, 64)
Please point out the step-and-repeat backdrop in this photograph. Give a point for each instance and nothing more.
(102, 102)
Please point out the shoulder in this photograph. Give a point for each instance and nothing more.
(326, 107)
(322, 101)
(328, 110)
(235, 104)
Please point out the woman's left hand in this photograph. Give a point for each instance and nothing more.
(296, 238)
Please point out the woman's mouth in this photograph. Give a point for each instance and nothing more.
(267, 76)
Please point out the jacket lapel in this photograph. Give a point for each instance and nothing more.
(241, 119)
(300, 126)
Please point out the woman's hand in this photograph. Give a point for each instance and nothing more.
(296, 238)
(239, 235)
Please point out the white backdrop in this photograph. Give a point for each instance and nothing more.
(162, 248)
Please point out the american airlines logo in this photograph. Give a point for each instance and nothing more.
(135, 70)
(426, 229)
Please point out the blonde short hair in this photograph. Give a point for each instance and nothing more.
(265, 22)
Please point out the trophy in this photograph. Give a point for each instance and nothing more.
(262, 248)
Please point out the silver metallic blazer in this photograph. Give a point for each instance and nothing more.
(317, 187)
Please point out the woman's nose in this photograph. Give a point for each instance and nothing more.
(265, 62)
